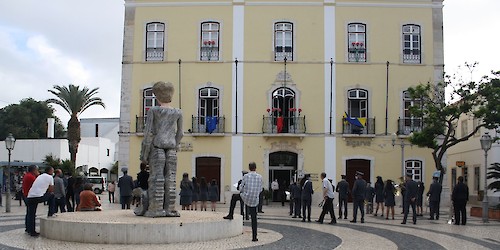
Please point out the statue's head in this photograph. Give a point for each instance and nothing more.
(163, 91)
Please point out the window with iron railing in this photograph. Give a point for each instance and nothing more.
(409, 123)
(209, 41)
(356, 44)
(155, 36)
(411, 44)
(283, 41)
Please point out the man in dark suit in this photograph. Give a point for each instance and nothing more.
(343, 190)
(410, 198)
(460, 196)
(434, 195)
(126, 185)
(306, 196)
(358, 197)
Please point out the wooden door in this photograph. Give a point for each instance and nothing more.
(354, 165)
(209, 167)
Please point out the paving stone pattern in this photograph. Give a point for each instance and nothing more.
(278, 230)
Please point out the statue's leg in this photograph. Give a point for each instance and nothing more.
(156, 183)
(170, 175)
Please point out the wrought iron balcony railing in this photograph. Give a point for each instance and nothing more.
(154, 54)
(408, 125)
(276, 125)
(208, 125)
(368, 126)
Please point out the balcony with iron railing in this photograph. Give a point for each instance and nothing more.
(283, 125)
(409, 125)
(411, 56)
(154, 54)
(211, 125)
(350, 128)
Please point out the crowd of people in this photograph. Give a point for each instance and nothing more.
(64, 193)
(379, 199)
(61, 193)
(192, 192)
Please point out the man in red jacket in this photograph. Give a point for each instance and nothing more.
(28, 180)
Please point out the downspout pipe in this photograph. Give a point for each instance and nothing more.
(386, 96)
(236, 97)
(180, 90)
(331, 93)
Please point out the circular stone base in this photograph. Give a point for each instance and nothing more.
(124, 227)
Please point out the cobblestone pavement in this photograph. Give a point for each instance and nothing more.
(278, 230)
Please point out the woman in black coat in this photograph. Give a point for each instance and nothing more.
(213, 193)
(196, 193)
(203, 194)
(389, 197)
(379, 195)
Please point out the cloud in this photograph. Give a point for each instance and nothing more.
(55, 62)
(70, 42)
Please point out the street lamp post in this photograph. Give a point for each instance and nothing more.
(402, 144)
(10, 141)
(485, 145)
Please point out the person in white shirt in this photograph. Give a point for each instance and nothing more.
(41, 191)
(328, 200)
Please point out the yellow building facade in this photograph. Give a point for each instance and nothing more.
(295, 86)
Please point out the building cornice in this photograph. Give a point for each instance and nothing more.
(271, 3)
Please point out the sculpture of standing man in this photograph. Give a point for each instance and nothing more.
(162, 135)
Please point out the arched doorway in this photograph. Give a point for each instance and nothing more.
(209, 167)
(354, 165)
(283, 168)
(93, 171)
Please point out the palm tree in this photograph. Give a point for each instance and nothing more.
(74, 100)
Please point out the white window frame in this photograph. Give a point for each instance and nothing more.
(360, 96)
(210, 41)
(283, 41)
(416, 168)
(155, 41)
(412, 43)
(148, 100)
(356, 42)
(414, 123)
(210, 100)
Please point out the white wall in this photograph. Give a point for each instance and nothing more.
(92, 152)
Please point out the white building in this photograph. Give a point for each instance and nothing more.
(96, 152)
(467, 159)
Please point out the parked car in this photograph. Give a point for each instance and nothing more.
(98, 183)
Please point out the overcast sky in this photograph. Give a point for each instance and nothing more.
(58, 42)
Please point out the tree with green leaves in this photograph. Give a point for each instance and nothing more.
(479, 100)
(28, 120)
(74, 100)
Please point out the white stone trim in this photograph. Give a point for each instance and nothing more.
(236, 159)
(277, 147)
(209, 85)
(329, 50)
(331, 158)
(222, 171)
(238, 53)
(363, 157)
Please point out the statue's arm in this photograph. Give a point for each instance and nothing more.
(180, 133)
(148, 138)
